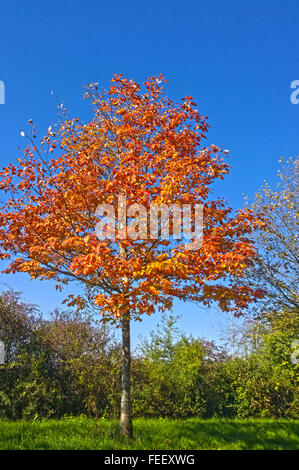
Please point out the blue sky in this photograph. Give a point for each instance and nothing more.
(236, 58)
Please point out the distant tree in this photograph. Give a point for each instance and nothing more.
(240, 336)
(17, 323)
(86, 358)
(266, 382)
(65, 364)
(165, 373)
(276, 270)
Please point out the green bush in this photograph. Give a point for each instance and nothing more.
(69, 365)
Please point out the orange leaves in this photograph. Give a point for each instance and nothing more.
(143, 146)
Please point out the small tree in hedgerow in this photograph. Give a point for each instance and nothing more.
(142, 149)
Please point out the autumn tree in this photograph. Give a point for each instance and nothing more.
(148, 151)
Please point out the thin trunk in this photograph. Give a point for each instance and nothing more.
(125, 405)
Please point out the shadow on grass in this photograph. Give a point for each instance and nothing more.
(225, 434)
(151, 434)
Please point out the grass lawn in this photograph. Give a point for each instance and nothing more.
(151, 434)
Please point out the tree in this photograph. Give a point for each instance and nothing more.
(276, 270)
(17, 323)
(142, 149)
(82, 352)
(265, 383)
(67, 364)
(165, 373)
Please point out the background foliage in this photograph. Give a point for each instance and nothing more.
(69, 365)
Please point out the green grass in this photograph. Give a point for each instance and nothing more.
(151, 434)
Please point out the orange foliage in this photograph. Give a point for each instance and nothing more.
(143, 146)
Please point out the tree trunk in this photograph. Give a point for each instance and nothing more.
(125, 405)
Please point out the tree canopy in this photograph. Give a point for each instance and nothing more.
(144, 147)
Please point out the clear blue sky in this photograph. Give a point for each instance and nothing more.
(236, 58)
